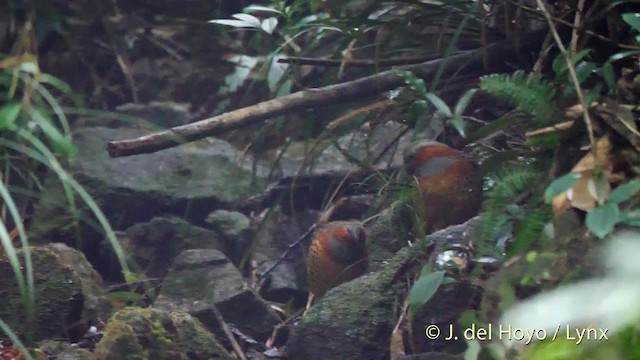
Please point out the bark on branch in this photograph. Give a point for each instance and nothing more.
(347, 91)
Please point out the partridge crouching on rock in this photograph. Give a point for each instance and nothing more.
(338, 253)
(449, 185)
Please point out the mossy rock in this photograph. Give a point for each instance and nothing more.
(69, 294)
(152, 334)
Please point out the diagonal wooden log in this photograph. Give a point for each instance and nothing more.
(470, 61)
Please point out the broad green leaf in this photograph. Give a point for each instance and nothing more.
(276, 71)
(576, 58)
(630, 217)
(633, 19)
(250, 19)
(583, 70)
(624, 192)
(30, 67)
(622, 55)
(270, 24)
(560, 185)
(424, 289)
(609, 76)
(459, 124)
(8, 114)
(426, 269)
(602, 219)
(439, 104)
(448, 280)
(464, 101)
(417, 109)
(234, 23)
(560, 63)
(261, 8)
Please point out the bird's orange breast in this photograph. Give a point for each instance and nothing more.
(337, 254)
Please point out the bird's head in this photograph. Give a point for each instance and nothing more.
(427, 158)
(346, 240)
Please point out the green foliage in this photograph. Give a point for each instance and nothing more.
(560, 185)
(424, 289)
(603, 218)
(419, 107)
(633, 19)
(530, 93)
(624, 192)
(509, 184)
(15, 340)
(499, 210)
(530, 227)
(35, 134)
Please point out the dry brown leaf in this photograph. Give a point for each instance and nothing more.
(550, 129)
(576, 111)
(620, 119)
(589, 189)
(603, 153)
(560, 204)
(12, 353)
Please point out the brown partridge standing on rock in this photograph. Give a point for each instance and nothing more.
(338, 253)
(449, 186)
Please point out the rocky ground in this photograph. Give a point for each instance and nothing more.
(181, 219)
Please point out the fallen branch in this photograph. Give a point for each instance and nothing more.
(367, 86)
(358, 63)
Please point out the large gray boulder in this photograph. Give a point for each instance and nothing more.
(69, 294)
(202, 279)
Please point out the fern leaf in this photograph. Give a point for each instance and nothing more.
(530, 93)
(509, 184)
(530, 227)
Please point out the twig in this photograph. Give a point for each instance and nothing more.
(225, 328)
(359, 63)
(370, 85)
(572, 72)
(573, 45)
(374, 106)
(288, 251)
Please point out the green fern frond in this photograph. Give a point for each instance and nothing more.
(530, 227)
(528, 92)
(509, 184)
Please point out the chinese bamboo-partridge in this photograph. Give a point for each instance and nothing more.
(338, 253)
(449, 185)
